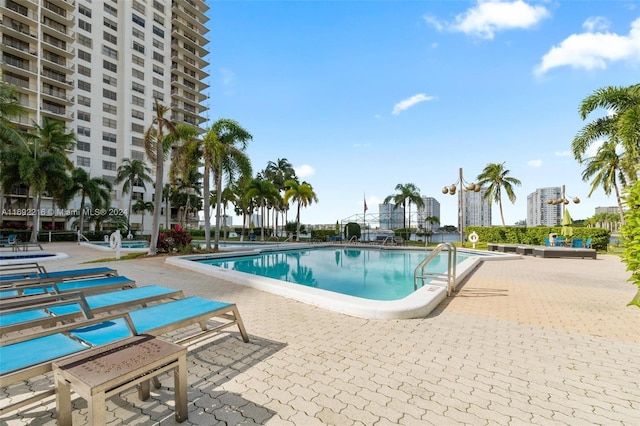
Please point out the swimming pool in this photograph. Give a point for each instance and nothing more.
(414, 304)
(127, 245)
(29, 257)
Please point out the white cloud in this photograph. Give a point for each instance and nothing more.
(490, 16)
(595, 23)
(227, 76)
(304, 171)
(563, 153)
(409, 102)
(591, 50)
(534, 163)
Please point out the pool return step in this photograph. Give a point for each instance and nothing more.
(420, 275)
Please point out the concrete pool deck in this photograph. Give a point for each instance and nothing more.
(529, 341)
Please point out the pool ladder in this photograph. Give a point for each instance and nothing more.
(420, 275)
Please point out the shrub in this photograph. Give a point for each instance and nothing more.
(631, 233)
(177, 239)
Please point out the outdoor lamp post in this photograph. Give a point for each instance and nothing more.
(451, 190)
(563, 200)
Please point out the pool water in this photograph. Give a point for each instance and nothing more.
(125, 244)
(366, 273)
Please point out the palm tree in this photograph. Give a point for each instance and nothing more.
(10, 135)
(156, 146)
(606, 171)
(97, 189)
(47, 159)
(302, 194)
(132, 173)
(497, 177)
(224, 154)
(142, 206)
(407, 194)
(621, 123)
(262, 192)
(279, 172)
(166, 197)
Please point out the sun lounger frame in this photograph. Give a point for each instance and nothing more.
(45, 277)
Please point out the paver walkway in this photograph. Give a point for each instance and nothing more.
(531, 341)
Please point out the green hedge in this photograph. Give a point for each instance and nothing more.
(536, 235)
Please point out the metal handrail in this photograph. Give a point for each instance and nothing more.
(419, 272)
(354, 239)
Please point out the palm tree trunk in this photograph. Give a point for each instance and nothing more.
(81, 226)
(218, 180)
(619, 200)
(298, 223)
(153, 250)
(36, 219)
(501, 215)
(207, 202)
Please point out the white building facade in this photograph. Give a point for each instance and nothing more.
(539, 212)
(477, 211)
(431, 208)
(98, 66)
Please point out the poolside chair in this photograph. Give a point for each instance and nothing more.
(42, 275)
(547, 243)
(54, 309)
(31, 356)
(92, 285)
(577, 243)
(587, 244)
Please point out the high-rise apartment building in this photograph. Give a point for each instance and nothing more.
(431, 209)
(541, 213)
(98, 66)
(477, 211)
(390, 216)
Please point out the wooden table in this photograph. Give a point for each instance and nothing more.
(101, 372)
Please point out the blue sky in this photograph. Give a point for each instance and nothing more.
(363, 95)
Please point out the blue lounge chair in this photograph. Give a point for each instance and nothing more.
(43, 276)
(51, 310)
(91, 285)
(577, 243)
(33, 355)
(587, 244)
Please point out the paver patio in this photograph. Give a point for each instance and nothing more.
(530, 341)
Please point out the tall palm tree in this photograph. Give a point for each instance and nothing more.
(279, 172)
(97, 189)
(621, 123)
(497, 178)
(302, 194)
(224, 155)
(407, 194)
(156, 145)
(142, 206)
(263, 192)
(132, 173)
(47, 159)
(10, 134)
(605, 168)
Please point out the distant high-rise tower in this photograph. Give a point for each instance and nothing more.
(431, 209)
(477, 211)
(391, 217)
(539, 212)
(97, 66)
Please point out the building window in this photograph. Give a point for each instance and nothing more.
(106, 93)
(85, 41)
(137, 141)
(138, 47)
(84, 85)
(157, 82)
(85, 11)
(110, 10)
(137, 60)
(110, 109)
(158, 95)
(135, 127)
(84, 25)
(158, 44)
(158, 57)
(84, 116)
(84, 161)
(109, 37)
(137, 74)
(112, 53)
(83, 131)
(137, 155)
(137, 87)
(137, 33)
(108, 122)
(158, 70)
(158, 31)
(108, 165)
(137, 19)
(109, 137)
(137, 101)
(84, 70)
(158, 6)
(84, 100)
(138, 6)
(83, 146)
(85, 56)
(158, 19)
(137, 114)
(111, 81)
(110, 24)
(108, 151)
(109, 66)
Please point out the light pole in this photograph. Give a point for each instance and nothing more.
(563, 201)
(451, 189)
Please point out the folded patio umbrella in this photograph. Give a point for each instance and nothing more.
(567, 229)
